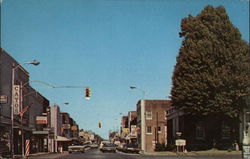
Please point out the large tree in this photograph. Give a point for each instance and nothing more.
(212, 74)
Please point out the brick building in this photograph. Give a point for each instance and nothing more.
(151, 121)
(132, 126)
(202, 132)
(124, 127)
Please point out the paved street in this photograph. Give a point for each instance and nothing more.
(96, 154)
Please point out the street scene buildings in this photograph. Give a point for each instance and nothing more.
(36, 126)
(33, 125)
(192, 68)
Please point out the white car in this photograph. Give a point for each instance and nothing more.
(102, 143)
(76, 148)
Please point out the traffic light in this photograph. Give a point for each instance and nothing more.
(99, 125)
(87, 93)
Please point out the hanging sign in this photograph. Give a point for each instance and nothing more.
(16, 99)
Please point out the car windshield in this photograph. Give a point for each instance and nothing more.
(109, 145)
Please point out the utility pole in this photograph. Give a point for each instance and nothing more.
(1, 1)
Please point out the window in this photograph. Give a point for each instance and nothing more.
(149, 130)
(225, 130)
(248, 117)
(159, 129)
(148, 115)
(200, 131)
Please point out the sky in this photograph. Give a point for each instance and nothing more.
(107, 45)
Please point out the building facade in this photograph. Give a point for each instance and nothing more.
(202, 132)
(30, 118)
(17, 123)
(124, 131)
(152, 123)
(132, 125)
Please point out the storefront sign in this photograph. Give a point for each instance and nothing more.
(125, 130)
(74, 128)
(180, 142)
(16, 99)
(40, 132)
(133, 131)
(3, 99)
(41, 120)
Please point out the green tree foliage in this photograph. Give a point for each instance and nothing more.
(212, 74)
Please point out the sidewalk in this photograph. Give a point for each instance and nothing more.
(195, 153)
(38, 154)
(216, 152)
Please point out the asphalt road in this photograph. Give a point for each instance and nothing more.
(96, 154)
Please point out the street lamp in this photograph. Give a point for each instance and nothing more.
(12, 101)
(33, 63)
(143, 91)
(66, 103)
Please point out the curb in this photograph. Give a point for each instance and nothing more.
(193, 153)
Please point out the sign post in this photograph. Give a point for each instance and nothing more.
(180, 143)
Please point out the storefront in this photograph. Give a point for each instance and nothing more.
(39, 141)
(63, 143)
(4, 139)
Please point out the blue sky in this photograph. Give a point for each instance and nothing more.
(107, 45)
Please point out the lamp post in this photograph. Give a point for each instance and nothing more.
(12, 101)
(1, 24)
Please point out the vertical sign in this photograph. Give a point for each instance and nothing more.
(16, 99)
(133, 132)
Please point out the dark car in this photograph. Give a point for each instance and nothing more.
(108, 147)
(131, 148)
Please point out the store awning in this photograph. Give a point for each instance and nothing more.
(61, 138)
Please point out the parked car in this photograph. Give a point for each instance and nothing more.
(131, 148)
(108, 147)
(94, 146)
(121, 147)
(102, 143)
(76, 148)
